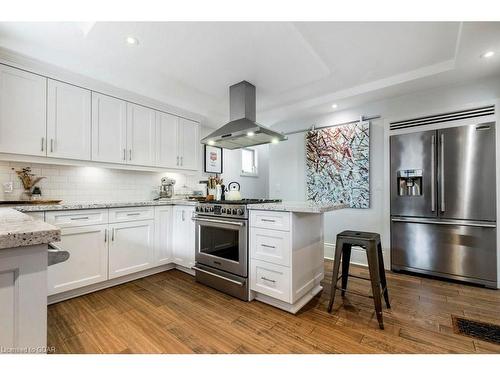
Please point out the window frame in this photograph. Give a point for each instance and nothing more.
(255, 172)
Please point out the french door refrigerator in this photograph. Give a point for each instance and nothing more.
(443, 203)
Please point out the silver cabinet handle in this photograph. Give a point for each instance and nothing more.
(442, 173)
(433, 172)
(124, 154)
(80, 218)
(182, 160)
(130, 154)
(134, 214)
(269, 220)
(43, 143)
(266, 279)
(269, 246)
(113, 234)
(177, 160)
(105, 235)
(219, 276)
(51, 145)
(183, 215)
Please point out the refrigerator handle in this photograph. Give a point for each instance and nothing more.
(441, 172)
(433, 173)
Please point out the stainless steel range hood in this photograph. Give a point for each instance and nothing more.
(242, 130)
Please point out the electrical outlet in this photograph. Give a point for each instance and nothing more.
(8, 187)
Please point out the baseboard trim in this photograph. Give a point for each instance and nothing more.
(109, 283)
(358, 255)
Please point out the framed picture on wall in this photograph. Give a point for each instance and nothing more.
(213, 159)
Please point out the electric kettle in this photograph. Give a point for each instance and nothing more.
(233, 192)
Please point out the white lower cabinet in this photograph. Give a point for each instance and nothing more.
(270, 279)
(88, 262)
(131, 247)
(163, 235)
(183, 244)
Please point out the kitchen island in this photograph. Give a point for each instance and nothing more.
(23, 281)
(287, 252)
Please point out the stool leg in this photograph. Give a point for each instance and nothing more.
(375, 280)
(335, 274)
(346, 259)
(383, 280)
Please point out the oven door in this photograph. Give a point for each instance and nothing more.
(222, 243)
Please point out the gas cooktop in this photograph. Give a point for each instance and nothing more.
(245, 201)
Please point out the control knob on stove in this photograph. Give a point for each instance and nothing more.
(240, 211)
(223, 210)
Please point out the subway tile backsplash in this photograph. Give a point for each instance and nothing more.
(83, 184)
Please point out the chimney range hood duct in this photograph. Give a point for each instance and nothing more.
(242, 130)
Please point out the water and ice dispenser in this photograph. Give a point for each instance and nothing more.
(410, 182)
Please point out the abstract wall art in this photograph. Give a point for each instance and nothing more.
(338, 165)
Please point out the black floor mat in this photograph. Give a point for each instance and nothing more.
(479, 330)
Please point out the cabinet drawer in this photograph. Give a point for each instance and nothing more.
(76, 218)
(270, 246)
(270, 279)
(119, 215)
(270, 220)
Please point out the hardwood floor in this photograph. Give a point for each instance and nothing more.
(171, 313)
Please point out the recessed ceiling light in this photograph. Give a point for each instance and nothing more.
(275, 140)
(488, 54)
(250, 134)
(334, 106)
(132, 40)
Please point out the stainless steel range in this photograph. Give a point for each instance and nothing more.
(222, 245)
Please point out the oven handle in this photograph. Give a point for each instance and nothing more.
(219, 276)
(240, 224)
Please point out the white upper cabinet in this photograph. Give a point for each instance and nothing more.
(23, 99)
(140, 135)
(189, 144)
(68, 121)
(109, 129)
(167, 154)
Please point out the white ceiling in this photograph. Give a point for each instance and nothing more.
(298, 68)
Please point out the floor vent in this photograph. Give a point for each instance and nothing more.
(444, 117)
(478, 330)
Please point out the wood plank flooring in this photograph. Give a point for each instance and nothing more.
(171, 313)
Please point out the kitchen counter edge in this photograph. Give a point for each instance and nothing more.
(19, 230)
(297, 207)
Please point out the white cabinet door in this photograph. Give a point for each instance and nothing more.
(189, 144)
(131, 247)
(183, 247)
(163, 235)
(23, 99)
(140, 135)
(109, 129)
(167, 145)
(68, 121)
(88, 260)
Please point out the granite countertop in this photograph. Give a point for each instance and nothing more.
(299, 207)
(95, 205)
(18, 229)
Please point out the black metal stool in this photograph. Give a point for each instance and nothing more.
(371, 243)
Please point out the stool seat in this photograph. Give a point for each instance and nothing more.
(371, 243)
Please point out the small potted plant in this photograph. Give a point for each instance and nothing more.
(29, 181)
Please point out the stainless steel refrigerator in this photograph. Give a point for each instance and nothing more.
(443, 203)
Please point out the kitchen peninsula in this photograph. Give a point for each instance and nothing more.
(23, 281)
(287, 252)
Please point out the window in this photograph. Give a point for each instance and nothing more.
(248, 162)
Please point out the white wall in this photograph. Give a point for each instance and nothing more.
(287, 159)
(251, 187)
